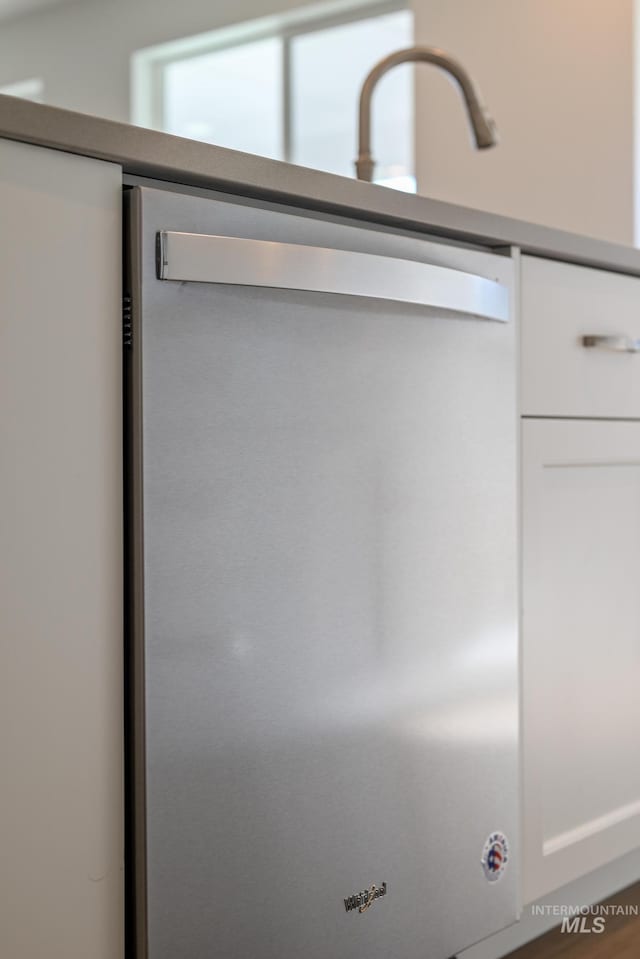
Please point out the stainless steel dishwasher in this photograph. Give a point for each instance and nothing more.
(322, 423)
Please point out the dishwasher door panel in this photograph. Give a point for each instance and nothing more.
(325, 627)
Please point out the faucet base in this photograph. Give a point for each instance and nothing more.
(364, 168)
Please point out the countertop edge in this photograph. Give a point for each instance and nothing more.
(160, 156)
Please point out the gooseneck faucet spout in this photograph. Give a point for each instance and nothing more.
(481, 123)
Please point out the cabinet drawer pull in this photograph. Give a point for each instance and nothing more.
(618, 344)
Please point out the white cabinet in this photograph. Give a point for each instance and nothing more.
(581, 640)
(61, 710)
(562, 303)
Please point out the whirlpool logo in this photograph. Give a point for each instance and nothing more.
(363, 900)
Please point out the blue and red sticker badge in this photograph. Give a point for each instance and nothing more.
(495, 856)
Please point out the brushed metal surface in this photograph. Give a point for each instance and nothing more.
(617, 344)
(293, 266)
(328, 582)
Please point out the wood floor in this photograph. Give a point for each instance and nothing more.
(619, 940)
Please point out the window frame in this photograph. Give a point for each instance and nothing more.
(149, 65)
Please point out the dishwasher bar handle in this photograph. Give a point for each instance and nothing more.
(237, 261)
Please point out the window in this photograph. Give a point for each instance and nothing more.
(327, 70)
(288, 91)
(232, 97)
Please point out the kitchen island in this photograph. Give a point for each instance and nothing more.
(61, 181)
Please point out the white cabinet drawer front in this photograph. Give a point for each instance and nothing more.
(561, 304)
(581, 647)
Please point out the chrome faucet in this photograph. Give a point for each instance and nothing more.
(482, 125)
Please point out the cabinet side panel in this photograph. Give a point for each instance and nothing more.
(61, 878)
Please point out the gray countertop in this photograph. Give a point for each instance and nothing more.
(147, 153)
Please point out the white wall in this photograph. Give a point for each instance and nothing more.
(557, 75)
(83, 49)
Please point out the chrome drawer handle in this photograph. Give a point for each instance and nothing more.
(618, 344)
